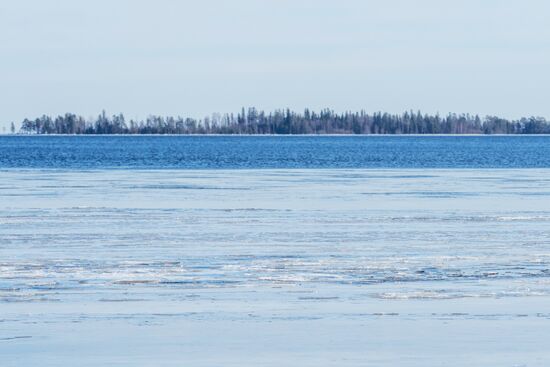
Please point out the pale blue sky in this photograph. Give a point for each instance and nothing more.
(198, 57)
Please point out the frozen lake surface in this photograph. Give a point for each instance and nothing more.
(287, 267)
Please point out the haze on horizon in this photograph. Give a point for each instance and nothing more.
(193, 58)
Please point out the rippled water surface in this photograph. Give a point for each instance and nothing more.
(229, 152)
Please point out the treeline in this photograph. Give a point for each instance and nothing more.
(283, 122)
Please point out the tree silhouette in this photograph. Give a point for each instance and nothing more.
(287, 122)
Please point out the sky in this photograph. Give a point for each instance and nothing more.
(194, 58)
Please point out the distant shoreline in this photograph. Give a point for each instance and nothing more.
(252, 121)
(272, 135)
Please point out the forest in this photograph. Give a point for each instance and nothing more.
(286, 122)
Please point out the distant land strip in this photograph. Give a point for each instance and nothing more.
(252, 121)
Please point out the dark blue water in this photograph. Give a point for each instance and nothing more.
(198, 152)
